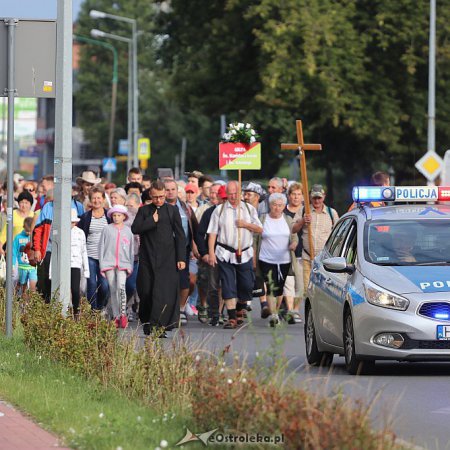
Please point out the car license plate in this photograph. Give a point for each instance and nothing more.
(443, 332)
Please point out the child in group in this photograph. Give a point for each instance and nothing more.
(116, 258)
(78, 260)
(26, 272)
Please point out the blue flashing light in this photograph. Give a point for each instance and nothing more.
(373, 194)
(441, 316)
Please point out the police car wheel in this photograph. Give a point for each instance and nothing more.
(313, 355)
(353, 364)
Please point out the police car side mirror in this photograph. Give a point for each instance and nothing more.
(338, 264)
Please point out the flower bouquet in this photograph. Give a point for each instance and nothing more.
(239, 132)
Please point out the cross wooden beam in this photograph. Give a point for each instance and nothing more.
(301, 147)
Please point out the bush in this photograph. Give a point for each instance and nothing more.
(183, 377)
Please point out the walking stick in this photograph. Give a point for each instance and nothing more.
(239, 251)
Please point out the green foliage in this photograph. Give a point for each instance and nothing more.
(355, 72)
(83, 413)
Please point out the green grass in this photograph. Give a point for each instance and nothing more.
(84, 414)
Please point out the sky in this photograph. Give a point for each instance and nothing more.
(34, 9)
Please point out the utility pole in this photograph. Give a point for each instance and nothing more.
(183, 155)
(11, 92)
(63, 157)
(431, 144)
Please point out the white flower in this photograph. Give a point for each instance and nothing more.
(17, 354)
(163, 443)
(222, 370)
(138, 418)
(230, 125)
(197, 358)
(101, 415)
(248, 126)
(71, 430)
(233, 132)
(230, 381)
(252, 139)
(252, 132)
(119, 448)
(240, 125)
(256, 354)
(244, 380)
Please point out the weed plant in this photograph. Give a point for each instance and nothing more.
(184, 378)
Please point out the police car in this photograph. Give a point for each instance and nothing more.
(380, 289)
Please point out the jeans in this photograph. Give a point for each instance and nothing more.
(131, 280)
(97, 286)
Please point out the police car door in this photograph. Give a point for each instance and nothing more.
(333, 288)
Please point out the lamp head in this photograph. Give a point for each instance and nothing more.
(97, 33)
(94, 14)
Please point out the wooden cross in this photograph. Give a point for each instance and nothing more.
(301, 147)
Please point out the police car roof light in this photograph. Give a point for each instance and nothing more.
(373, 194)
(367, 194)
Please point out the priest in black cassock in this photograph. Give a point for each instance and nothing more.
(162, 254)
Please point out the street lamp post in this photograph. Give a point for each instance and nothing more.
(102, 34)
(113, 89)
(103, 15)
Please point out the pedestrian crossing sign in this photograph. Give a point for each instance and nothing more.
(144, 149)
(109, 164)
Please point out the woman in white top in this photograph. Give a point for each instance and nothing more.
(274, 256)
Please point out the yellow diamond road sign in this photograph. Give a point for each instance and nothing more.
(430, 165)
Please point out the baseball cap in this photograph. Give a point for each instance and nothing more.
(191, 187)
(317, 191)
(253, 187)
(222, 192)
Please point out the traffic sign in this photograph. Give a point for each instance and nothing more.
(445, 174)
(144, 150)
(109, 164)
(123, 147)
(430, 165)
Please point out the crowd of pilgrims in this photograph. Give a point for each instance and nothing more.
(202, 258)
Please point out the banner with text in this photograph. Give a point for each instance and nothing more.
(239, 156)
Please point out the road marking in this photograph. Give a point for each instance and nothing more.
(442, 411)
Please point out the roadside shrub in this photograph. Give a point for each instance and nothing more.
(183, 377)
(243, 403)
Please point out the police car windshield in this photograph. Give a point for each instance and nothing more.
(408, 242)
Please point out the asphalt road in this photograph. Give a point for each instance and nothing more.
(412, 398)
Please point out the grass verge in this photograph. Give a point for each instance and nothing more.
(84, 413)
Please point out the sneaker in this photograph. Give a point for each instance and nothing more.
(202, 314)
(249, 305)
(265, 312)
(214, 322)
(194, 310)
(123, 321)
(188, 309)
(296, 317)
(274, 320)
(183, 318)
(221, 319)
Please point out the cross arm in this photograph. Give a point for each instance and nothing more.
(303, 147)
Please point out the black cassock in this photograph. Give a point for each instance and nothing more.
(162, 244)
